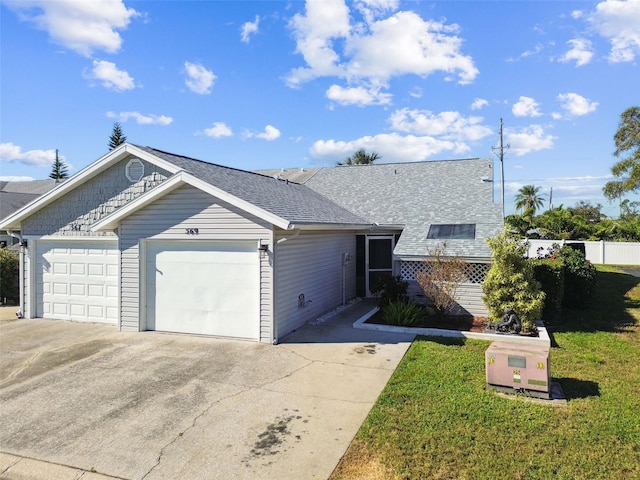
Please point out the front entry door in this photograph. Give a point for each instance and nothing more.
(379, 259)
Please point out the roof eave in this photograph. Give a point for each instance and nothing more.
(329, 226)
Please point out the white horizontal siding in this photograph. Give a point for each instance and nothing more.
(168, 219)
(469, 297)
(310, 264)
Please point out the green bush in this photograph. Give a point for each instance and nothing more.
(9, 276)
(580, 278)
(510, 282)
(390, 288)
(550, 273)
(399, 312)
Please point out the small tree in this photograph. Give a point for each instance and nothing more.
(511, 283)
(117, 137)
(441, 277)
(59, 169)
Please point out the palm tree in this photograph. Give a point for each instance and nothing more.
(529, 199)
(361, 158)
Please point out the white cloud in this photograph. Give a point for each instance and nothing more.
(37, 158)
(447, 125)
(528, 53)
(478, 103)
(248, 29)
(218, 130)
(581, 52)
(13, 178)
(391, 147)
(416, 92)
(141, 119)
(526, 107)
(360, 96)
(373, 52)
(270, 133)
(407, 44)
(199, 79)
(110, 77)
(529, 139)
(372, 9)
(78, 25)
(619, 21)
(576, 105)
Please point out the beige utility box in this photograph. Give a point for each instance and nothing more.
(518, 368)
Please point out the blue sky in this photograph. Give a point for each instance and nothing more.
(277, 84)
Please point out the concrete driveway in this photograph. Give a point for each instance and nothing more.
(86, 401)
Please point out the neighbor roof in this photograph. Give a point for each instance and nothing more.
(15, 195)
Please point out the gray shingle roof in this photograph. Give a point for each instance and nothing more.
(15, 195)
(291, 201)
(417, 195)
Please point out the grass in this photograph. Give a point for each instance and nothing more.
(436, 420)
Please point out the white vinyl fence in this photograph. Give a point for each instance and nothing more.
(608, 253)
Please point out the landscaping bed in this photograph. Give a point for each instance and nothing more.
(463, 323)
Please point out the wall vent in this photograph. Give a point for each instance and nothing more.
(134, 170)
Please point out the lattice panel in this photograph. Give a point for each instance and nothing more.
(476, 272)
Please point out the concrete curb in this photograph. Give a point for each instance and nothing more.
(543, 338)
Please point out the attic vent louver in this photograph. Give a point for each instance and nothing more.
(134, 170)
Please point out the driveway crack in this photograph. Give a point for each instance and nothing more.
(193, 424)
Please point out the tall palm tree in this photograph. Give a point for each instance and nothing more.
(361, 158)
(529, 199)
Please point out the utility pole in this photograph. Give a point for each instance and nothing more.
(501, 149)
(551, 198)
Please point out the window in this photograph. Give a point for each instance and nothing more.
(134, 170)
(462, 231)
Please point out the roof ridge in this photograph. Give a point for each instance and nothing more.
(185, 157)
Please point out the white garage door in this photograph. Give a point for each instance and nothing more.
(208, 288)
(77, 280)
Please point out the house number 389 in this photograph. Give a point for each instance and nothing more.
(191, 231)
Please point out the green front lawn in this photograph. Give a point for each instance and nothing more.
(435, 419)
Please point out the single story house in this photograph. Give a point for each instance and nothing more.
(149, 240)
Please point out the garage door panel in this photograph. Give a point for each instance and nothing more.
(204, 288)
(77, 283)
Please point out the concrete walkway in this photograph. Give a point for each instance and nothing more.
(83, 401)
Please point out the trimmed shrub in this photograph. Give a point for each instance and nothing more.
(402, 313)
(580, 278)
(389, 289)
(550, 273)
(9, 276)
(510, 282)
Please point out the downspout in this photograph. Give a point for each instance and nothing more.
(284, 239)
(20, 313)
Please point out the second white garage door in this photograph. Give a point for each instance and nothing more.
(77, 280)
(207, 288)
